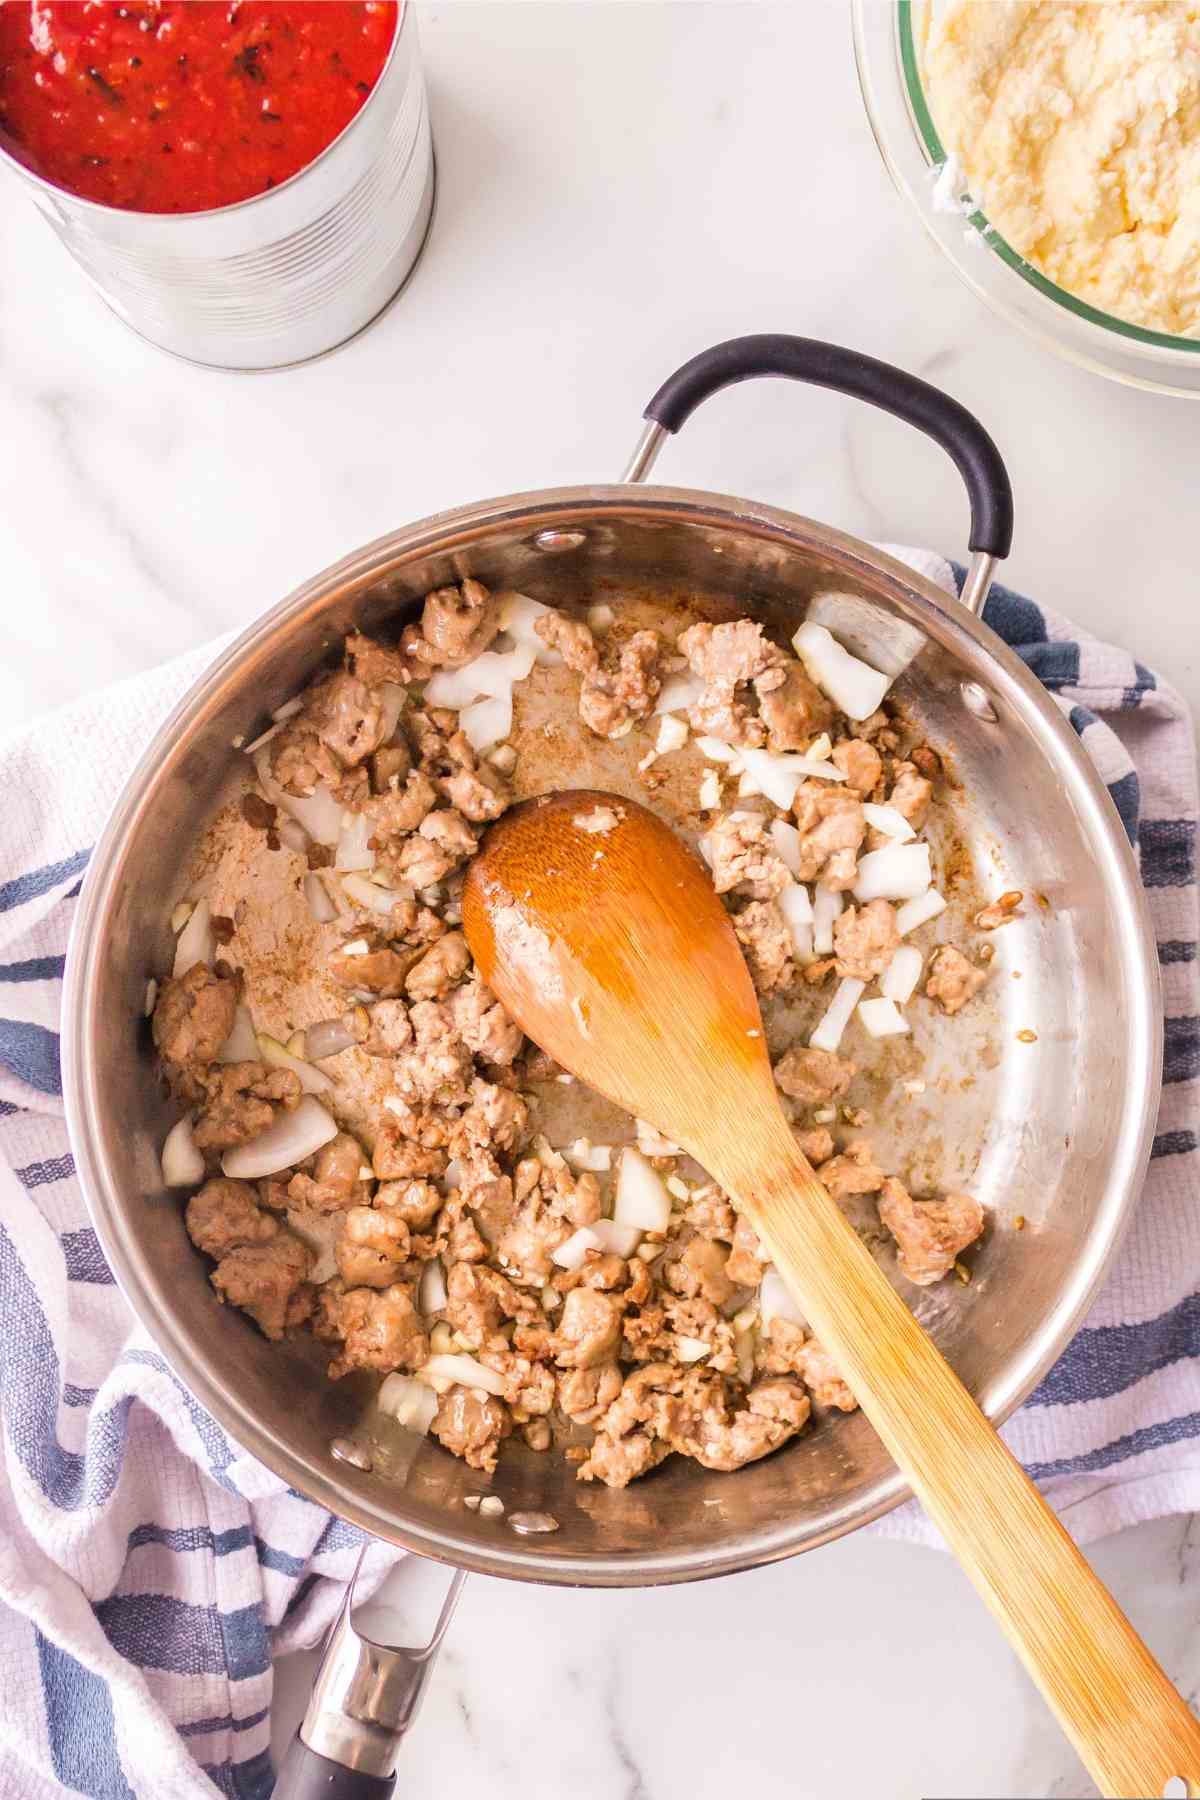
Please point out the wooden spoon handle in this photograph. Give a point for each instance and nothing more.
(1132, 1730)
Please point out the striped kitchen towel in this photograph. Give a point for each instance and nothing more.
(149, 1569)
(1112, 1435)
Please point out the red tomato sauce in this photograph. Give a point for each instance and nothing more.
(171, 106)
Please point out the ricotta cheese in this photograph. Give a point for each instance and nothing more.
(1078, 126)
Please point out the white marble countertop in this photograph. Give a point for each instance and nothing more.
(620, 185)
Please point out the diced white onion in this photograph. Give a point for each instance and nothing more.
(775, 1300)
(410, 1402)
(488, 721)
(317, 896)
(289, 709)
(716, 751)
(292, 833)
(616, 1239)
(778, 777)
(263, 739)
(292, 1138)
(710, 791)
(182, 1163)
(151, 999)
(464, 1370)
(747, 787)
(196, 943)
(584, 1155)
(802, 942)
(329, 1037)
(882, 1018)
(547, 1155)
(690, 1349)
(672, 734)
(451, 1176)
(370, 896)
(786, 840)
(353, 851)
(641, 1200)
(652, 1142)
(797, 911)
(797, 903)
(827, 907)
(317, 1230)
(494, 672)
(891, 822)
(899, 980)
(769, 775)
(919, 911)
(241, 1045)
(572, 1253)
(431, 1294)
(318, 812)
(504, 758)
(828, 1034)
(392, 695)
(276, 1056)
(901, 872)
(679, 692)
(854, 687)
(519, 616)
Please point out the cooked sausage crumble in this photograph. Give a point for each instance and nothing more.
(381, 1174)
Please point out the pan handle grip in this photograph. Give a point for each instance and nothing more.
(303, 1775)
(365, 1697)
(864, 378)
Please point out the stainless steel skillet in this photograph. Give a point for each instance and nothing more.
(1056, 1130)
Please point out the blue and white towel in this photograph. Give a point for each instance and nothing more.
(1112, 1435)
(149, 1569)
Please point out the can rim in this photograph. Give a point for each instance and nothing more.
(60, 193)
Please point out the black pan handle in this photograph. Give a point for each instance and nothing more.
(304, 1775)
(849, 372)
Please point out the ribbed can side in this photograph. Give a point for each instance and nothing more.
(284, 276)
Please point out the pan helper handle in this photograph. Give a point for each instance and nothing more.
(364, 1700)
(849, 372)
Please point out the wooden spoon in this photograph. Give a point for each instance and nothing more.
(601, 933)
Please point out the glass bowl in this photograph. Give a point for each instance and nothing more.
(888, 39)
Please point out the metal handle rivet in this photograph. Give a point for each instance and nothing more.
(976, 701)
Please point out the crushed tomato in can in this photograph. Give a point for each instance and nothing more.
(171, 106)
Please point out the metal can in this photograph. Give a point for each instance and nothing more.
(287, 274)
